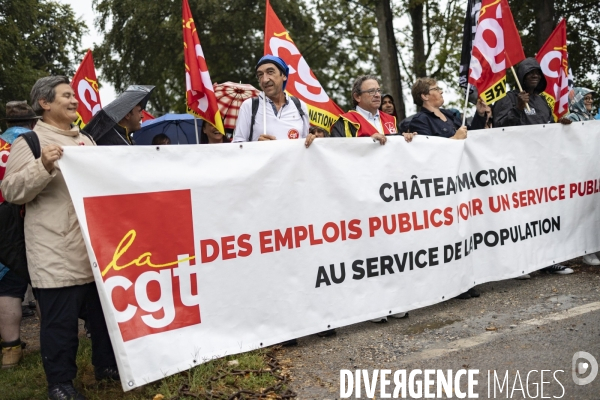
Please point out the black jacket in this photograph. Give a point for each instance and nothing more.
(505, 110)
(427, 123)
(115, 136)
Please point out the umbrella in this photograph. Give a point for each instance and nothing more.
(178, 127)
(230, 97)
(114, 112)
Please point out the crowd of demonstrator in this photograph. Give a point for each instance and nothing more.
(58, 264)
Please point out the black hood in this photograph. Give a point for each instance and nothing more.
(526, 66)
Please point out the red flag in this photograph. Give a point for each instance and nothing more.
(497, 46)
(301, 83)
(146, 116)
(85, 85)
(4, 152)
(200, 96)
(555, 66)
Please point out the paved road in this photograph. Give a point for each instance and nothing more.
(514, 327)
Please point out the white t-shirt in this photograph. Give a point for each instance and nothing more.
(285, 124)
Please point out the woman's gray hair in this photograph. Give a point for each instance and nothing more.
(358, 84)
(44, 88)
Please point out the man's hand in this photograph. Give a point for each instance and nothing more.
(461, 133)
(408, 136)
(565, 121)
(522, 100)
(50, 154)
(378, 137)
(482, 108)
(309, 139)
(266, 137)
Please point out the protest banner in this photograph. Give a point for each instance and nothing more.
(496, 47)
(85, 85)
(205, 251)
(200, 96)
(553, 59)
(302, 82)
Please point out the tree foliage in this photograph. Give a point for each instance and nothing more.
(583, 33)
(431, 44)
(143, 42)
(338, 38)
(37, 38)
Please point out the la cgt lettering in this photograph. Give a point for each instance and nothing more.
(145, 255)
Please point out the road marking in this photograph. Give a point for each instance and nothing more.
(487, 337)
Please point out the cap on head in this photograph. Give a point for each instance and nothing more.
(17, 111)
(278, 62)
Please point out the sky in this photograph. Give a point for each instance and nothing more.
(83, 10)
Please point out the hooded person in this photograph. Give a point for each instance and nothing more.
(274, 114)
(581, 102)
(115, 123)
(512, 109)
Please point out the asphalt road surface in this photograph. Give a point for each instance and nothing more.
(513, 332)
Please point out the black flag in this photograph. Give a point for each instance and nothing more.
(469, 29)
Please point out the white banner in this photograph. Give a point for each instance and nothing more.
(276, 241)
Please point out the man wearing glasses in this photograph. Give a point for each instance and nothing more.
(366, 120)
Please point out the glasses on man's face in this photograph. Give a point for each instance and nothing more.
(372, 92)
(588, 98)
(437, 88)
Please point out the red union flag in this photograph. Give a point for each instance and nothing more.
(200, 96)
(146, 116)
(147, 263)
(553, 59)
(302, 83)
(4, 152)
(497, 46)
(85, 85)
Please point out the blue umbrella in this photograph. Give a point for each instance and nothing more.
(178, 127)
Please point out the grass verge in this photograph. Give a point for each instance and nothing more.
(252, 375)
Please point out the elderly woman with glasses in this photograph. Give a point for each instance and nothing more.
(581, 101)
(433, 120)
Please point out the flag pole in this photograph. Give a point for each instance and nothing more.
(466, 104)
(196, 127)
(264, 113)
(512, 68)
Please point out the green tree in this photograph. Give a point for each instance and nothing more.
(37, 38)
(143, 42)
(431, 44)
(536, 19)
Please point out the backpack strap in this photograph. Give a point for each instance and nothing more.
(34, 143)
(255, 101)
(298, 106)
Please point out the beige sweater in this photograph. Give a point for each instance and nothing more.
(56, 253)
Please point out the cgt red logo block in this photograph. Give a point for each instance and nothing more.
(144, 245)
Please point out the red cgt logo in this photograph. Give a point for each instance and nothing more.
(144, 245)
